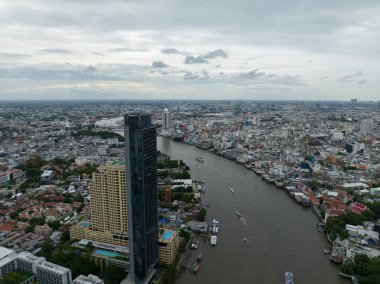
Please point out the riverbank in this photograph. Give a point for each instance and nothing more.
(280, 236)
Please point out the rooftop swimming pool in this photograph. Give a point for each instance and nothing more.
(167, 234)
(106, 253)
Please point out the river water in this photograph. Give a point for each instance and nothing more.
(281, 235)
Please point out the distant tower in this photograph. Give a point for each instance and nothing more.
(166, 121)
(141, 168)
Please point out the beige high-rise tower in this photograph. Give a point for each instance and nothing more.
(109, 219)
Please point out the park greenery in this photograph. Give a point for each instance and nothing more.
(367, 270)
(101, 134)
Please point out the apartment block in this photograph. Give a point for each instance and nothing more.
(168, 247)
(50, 273)
(109, 218)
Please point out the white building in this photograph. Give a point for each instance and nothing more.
(337, 136)
(7, 261)
(50, 273)
(45, 272)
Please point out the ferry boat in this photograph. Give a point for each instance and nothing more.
(199, 159)
(238, 214)
(213, 240)
(289, 278)
(232, 190)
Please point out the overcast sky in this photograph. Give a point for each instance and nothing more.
(190, 49)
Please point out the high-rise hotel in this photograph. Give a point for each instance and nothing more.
(108, 208)
(141, 168)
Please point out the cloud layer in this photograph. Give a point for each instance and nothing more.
(249, 49)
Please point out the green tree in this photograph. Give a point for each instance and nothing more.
(65, 236)
(13, 277)
(202, 214)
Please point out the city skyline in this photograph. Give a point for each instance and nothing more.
(298, 50)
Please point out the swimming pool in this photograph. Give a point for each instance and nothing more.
(167, 234)
(106, 253)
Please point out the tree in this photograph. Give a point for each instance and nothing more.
(114, 274)
(54, 224)
(12, 278)
(65, 236)
(202, 214)
(47, 248)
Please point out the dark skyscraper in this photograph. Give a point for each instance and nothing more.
(141, 171)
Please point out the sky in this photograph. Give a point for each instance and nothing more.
(190, 49)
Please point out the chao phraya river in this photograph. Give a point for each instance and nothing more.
(281, 235)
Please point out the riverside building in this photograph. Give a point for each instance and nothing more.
(141, 167)
(168, 247)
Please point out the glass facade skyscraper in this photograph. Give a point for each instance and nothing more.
(141, 170)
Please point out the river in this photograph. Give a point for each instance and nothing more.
(281, 235)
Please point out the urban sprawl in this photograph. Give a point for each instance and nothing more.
(68, 178)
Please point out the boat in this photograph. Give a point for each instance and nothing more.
(326, 251)
(199, 258)
(289, 278)
(213, 240)
(207, 205)
(215, 222)
(232, 190)
(320, 227)
(215, 229)
(199, 159)
(237, 213)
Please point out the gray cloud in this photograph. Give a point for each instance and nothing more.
(128, 49)
(205, 57)
(203, 75)
(159, 64)
(349, 78)
(195, 60)
(63, 72)
(215, 54)
(250, 75)
(170, 51)
(56, 50)
(362, 82)
(90, 69)
(14, 55)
